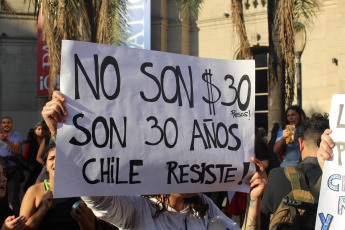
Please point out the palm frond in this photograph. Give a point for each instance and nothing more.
(191, 7)
(6, 7)
(305, 11)
(112, 25)
(96, 21)
(118, 26)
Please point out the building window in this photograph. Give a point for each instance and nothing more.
(260, 55)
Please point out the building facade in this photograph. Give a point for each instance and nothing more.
(211, 34)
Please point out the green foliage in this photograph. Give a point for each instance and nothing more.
(118, 27)
(190, 7)
(305, 12)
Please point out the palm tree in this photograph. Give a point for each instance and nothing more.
(276, 69)
(93, 21)
(100, 21)
(238, 20)
(283, 16)
(291, 16)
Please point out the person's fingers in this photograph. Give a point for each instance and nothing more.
(83, 210)
(254, 183)
(256, 176)
(53, 110)
(258, 164)
(19, 222)
(79, 211)
(58, 95)
(257, 181)
(327, 139)
(10, 218)
(75, 215)
(325, 148)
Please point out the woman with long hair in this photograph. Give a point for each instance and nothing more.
(35, 137)
(287, 141)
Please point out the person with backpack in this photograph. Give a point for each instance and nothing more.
(290, 199)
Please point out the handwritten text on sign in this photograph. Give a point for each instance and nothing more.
(331, 209)
(147, 122)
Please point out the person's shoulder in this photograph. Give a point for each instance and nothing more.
(277, 179)
(205, 198)
(33, 195)
(276, 173)
(35, 189)
(17, 136)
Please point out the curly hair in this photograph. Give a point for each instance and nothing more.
(312, 129)
(195, 203)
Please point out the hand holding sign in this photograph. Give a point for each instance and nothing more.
(148, 122)
(325, 151)
(258, 181)
(330, 213)
(54, 111)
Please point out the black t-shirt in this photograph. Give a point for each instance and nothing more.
(279, 186)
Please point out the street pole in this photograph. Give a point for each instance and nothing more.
(299, 78)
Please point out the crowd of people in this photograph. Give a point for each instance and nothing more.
(297, 147)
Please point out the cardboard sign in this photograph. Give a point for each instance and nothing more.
(148, 122)
(331, 208)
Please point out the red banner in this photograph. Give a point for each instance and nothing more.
(43, 61)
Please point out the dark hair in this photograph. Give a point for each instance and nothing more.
(46, 151)
(7, 118)
(300, 112)
(31, 134)
(257, 135)
(312, 129)
(195, 203)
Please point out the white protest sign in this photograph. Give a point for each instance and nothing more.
(331, 208)
(148, 122)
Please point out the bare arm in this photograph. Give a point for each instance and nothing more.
(39, 157)
(14, 147)
(29, 206)
(279, 145)
(281, 142)
(258, 184)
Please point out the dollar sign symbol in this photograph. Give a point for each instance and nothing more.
(207, 77)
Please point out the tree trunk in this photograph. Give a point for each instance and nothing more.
(276, 70)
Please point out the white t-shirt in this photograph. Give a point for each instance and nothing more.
(135, 212)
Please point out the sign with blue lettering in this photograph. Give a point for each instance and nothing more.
(331, 209)
(139, 21)
(149, 122)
